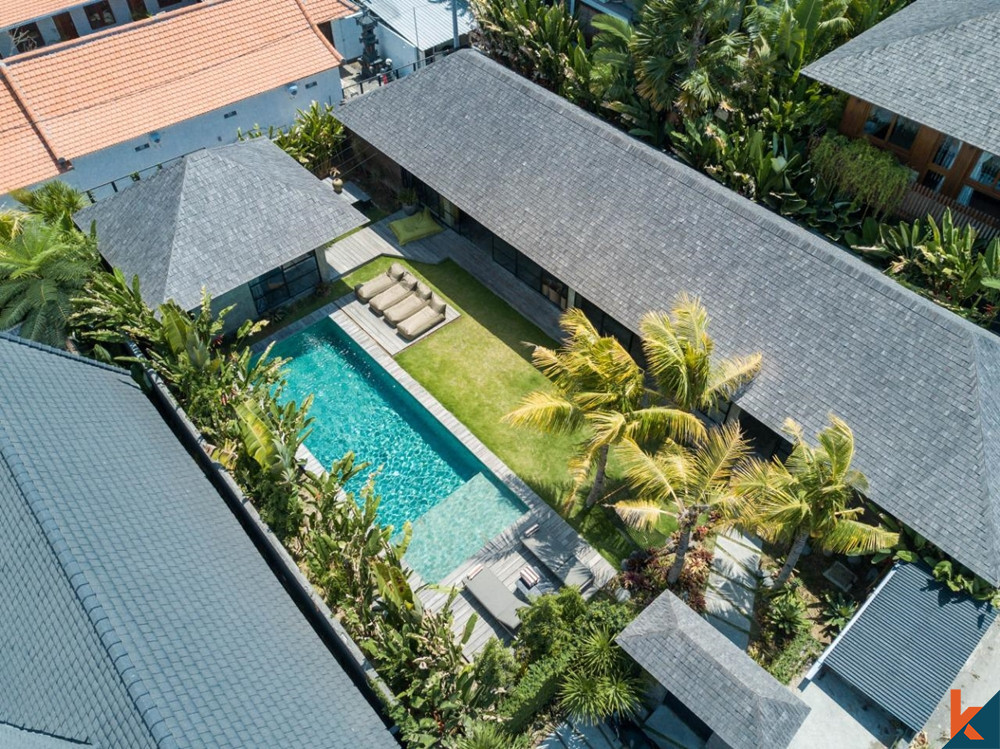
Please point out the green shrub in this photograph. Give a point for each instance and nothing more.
(536, 689)
(547, 626)
(496, 668)
(788, 662)
(490, 736)
(786, 612)
(867, 175)
(837, 611)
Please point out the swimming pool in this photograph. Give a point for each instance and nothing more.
(427, 476)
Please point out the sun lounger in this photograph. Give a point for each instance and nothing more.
(494, 596)
(563, 564)
(393, 295)
(374, 287)
(409, 306)
(423, 320)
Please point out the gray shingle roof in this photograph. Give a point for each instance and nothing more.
(936, 62)
(629, 228)
(715, 680)
(137, 612)
(908, 644)
(218, 218)
(12, 737)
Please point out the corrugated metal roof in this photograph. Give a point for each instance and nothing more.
(424, 23)
(905, 648)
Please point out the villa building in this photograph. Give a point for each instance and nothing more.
(919, 86)
(137, 611)
(580, 214)
(69, 111)
(25, 26)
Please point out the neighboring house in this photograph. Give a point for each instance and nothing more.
(921, 85)
(412, 31)
(29, 24)
(137, 611)
(195, 77)
(587, 216)
(716, 695)
(243, 221)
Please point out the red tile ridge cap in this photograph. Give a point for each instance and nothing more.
(124, 28)
(305, 14)
(29, 115)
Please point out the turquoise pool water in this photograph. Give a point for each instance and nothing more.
(427, 476)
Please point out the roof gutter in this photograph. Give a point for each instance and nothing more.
(811, 673)
(337, 640)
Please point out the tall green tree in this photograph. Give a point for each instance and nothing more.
(812, 495)
(601, 391)
(681, 358)
(54, 201)
(682, 482)
(688, 54)
(42, 268)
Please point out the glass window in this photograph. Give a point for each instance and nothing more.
(614, 328)
(947, 151)
(933, 180)
(903, 133)
(529, 271)
(27, 37)
(99, 15)
(504, 255)
(988, 204)
(555, 290)
(878, 123)
(287, 282)
(594, 313)
(986, 169)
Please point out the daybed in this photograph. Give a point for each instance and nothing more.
(365, 291)
(494, 596)
(410, 305)
(424, 319)
(393, 295)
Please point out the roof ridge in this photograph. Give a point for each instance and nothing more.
(29, 114)
(808, 241)
(28, 343)
(121, 662)
(991, 481)
(182, 166)
(162, 16)
(315, 28)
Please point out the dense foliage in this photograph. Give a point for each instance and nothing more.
(314, 139)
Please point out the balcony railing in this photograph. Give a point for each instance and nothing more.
(921, 201)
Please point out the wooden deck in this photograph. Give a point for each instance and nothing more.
(375, 240)
(378, 329)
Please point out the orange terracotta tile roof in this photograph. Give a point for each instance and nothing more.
(327, 10)
(106, 88)
(24, 157)
(15, 11)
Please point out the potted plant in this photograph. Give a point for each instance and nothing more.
(408, 199)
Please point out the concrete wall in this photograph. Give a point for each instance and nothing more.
(245, 307)
(347, 36)
(277, 107)
(396, 48)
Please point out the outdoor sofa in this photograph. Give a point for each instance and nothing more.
(393, 295)
(410, 305)
(495, 597)
(424, 319)
(366, 291)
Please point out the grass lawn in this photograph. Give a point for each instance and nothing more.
(479, 368)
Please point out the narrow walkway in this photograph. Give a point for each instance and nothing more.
(732, 584)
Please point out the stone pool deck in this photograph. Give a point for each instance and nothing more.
(504, 553)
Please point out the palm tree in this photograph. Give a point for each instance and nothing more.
(683, 482)
(598, 388)
(687, 53)
(679, 351)
(54, 201)
(42, 268)
(809, 496)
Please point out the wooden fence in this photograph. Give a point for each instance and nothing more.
(920, 201)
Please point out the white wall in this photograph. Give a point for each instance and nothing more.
(401, 52)
(276, 107)
(347, 36)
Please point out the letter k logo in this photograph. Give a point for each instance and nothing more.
(960, 719)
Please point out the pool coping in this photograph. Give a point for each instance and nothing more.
(538, 510)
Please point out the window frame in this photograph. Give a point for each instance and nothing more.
(102, 7)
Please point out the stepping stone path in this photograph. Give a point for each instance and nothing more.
(731, 586)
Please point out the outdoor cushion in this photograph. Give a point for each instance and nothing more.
(420, 322)
(368, 289)
(437, 303)
(423, 290)
(563, 564)
(418, 226)
(495, 597)
(402, 310)
(396, 271)
(393, 295)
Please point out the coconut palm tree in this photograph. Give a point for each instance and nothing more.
(680, 355)
(682, 482)
(810, 496)
(42, 268)
(600, 389)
